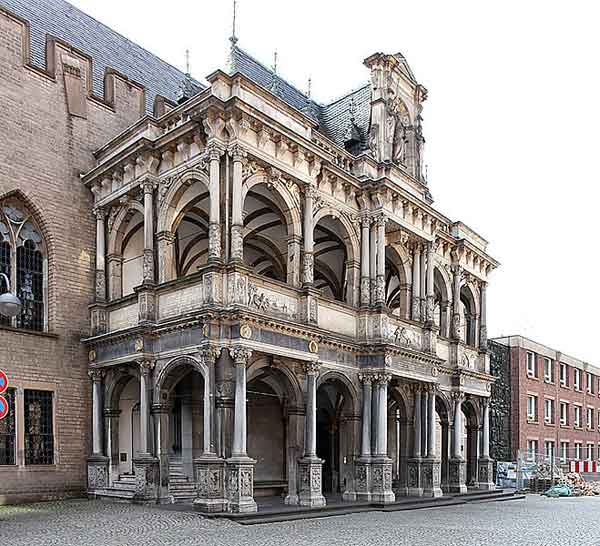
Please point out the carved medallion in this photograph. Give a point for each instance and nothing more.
(92, 355)
(139, 345)
(313, 346)
(245, 331)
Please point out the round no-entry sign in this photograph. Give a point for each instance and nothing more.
(3, 407)
(3, 382)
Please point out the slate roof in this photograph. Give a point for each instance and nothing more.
(106, 47)
(334, 119)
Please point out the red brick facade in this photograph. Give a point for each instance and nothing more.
(546, 426)
(43, 149)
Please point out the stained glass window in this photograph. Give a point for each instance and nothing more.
(22, 260)
(7, 431)
(39, 428)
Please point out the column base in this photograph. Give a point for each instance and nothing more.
(430, 476)
(414, 482)
(310, 488)
(239, 473)
(381, 479)
(97, 473)
(485, 474)
(362, 479)
(147, 480)
(209, 475)
(457, 473)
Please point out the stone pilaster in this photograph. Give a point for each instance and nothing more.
(381, 464)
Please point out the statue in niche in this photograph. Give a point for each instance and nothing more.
(398, 122)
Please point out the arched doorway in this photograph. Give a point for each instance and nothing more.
(443, 438)
(397, 288)
(336, 434)
(399, 435)
(470, 440)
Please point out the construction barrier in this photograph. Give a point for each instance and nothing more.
(583, 466)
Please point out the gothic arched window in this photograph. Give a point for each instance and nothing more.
(23, 260)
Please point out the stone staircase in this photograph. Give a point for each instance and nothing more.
(182, 490)
(121, 489)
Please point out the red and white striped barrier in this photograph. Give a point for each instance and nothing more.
(584, 466)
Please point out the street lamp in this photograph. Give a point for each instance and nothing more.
(10, 305)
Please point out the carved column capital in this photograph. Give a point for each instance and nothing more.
(210, 354)
(214, 150)
(240, 355)
(149, 185)
(312, 368)
(146, 366)
(380, 219)
(382, 378)
(366, 377)
(237, 152)
(96, 375)
(100, 213)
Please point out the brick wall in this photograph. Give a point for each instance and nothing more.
(43, 150)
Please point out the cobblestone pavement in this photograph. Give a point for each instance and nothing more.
(536, 521)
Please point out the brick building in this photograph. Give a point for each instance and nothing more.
(554, 402)
(63, 93)
(244, 292)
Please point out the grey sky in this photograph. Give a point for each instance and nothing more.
(511, 121)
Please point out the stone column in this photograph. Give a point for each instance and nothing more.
(308, 261)
(373, 261)
(381, 464)
(214, 151)
(423, 268)
(240, 467)
(431, 466)
(166, 256)
(100, 255)
(365, 282)
(415, 488)
(209, 468)
(310, 467)
(424, 420)
(455, 333)
(238, 154)
(145, 465)
(457, 465)
(416, 283)
(148, 274)
(430, 298)
(380, 279)
(98, 475)
(485, 465)
(160, 413)
(483, 317)
(363, 464)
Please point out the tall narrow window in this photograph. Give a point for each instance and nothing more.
(39, 428)
(577, 379)
(7, 431)
(531, 364)
(22, 257)
(548, 375)
(563, 374)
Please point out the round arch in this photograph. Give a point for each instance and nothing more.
(120, 226)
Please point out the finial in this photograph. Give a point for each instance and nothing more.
(352, 109)
(309, 91)
(275, 62)
(233, 38)
(187, 62)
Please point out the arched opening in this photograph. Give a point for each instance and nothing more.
(333, 253)
(442, 303)
(470, 440)
(128, 432)
(468, 315)
(335, 435)
(132, 252)
(24, 260)
(265, 232)
(399, 435)
(396, 283)
(268, 443)
(443, 438)
(191, 231)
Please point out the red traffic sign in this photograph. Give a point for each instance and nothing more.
(3, 382)
(3, 407)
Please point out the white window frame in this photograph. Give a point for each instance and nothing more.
(549, 449)
(564, 374)
(548, 410)
(589, 418)
(577, 379)
(589, 382)
(531, 364)
(564, 451)
(531, 412)
(531, 449)
(564, 419)
(577, 451)
(576, 415)
(548, 370)
(589, 451)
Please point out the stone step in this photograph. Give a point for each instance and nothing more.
(115, 494)
(123, 486)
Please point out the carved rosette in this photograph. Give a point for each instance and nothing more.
(214, 241)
